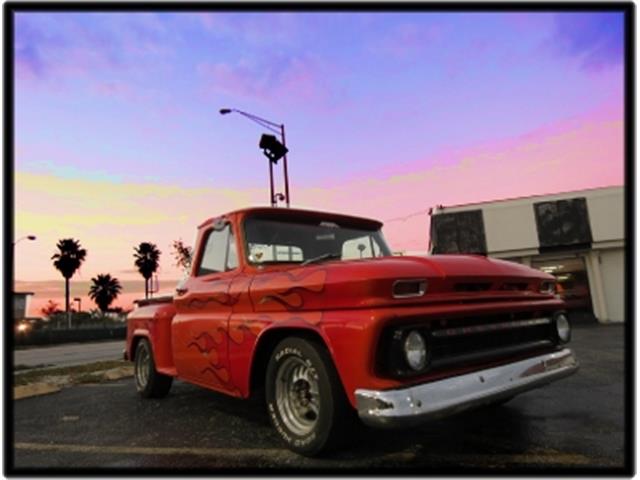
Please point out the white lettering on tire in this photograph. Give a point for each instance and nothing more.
(288, 351)
(298, 442)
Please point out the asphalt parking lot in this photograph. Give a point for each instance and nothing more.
(577, 423)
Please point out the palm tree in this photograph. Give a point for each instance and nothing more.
(104, 290)
(147, 258)
(67, 260)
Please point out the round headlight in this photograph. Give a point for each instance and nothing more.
(563, 328)
(415, 350)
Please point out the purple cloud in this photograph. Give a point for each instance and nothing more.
(408, 39)
(596, 39)
(258, 30)
(299, 78)
(118, 90)
(56, 47)
(28, 63)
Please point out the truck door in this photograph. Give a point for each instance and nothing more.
(203, 306)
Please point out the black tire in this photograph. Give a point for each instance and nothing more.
(504, 400)
(149, 383)
(318, 392)
(498, 403)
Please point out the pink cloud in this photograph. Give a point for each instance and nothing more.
(289, 79)
(114, 89)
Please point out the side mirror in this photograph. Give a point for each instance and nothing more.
(220, 224)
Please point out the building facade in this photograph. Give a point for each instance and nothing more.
(21, 304)
(576, 236)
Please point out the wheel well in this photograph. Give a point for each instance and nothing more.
(134, 345)
(265, 346)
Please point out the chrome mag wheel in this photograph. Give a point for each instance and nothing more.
(297, 395)
(149, 383)
(142, 368)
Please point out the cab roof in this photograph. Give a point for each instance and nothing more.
(293, 213)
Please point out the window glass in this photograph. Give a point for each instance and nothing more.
(260, 252)
(219, 251)
(361, 247)
(297, 240)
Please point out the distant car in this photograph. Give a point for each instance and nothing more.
(311, 309)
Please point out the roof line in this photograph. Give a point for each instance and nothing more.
(530, 196)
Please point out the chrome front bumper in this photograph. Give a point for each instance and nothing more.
(408, 406)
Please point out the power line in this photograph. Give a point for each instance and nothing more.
(414, 214)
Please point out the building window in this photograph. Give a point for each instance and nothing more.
(563, 224)
(459, 232)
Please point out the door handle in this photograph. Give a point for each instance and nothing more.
(181, 290)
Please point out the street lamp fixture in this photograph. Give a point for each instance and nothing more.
(26, 237)
(272, 148)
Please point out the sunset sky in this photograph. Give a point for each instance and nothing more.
(118, 137)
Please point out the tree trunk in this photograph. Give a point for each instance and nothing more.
(146, 288)
(66, 300)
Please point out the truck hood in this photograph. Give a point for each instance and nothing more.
(369, 283)
(445, 266)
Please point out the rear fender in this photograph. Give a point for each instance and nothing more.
(137, 335)
(153, 322)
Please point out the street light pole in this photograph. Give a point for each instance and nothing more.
(13, 255)
(277, 128)
(79, 300)
(274, 200)
(286, 173)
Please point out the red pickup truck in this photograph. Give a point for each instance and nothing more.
(311, 309)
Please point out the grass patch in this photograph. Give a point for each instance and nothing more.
(30, 367)
(80, 373)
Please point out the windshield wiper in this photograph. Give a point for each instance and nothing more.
(319, 258)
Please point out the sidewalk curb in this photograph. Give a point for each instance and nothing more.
(55, 383)
(34, 389)
(118, 373)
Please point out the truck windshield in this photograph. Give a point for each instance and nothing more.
(302, 241)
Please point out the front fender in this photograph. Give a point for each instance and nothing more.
(249, 336)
